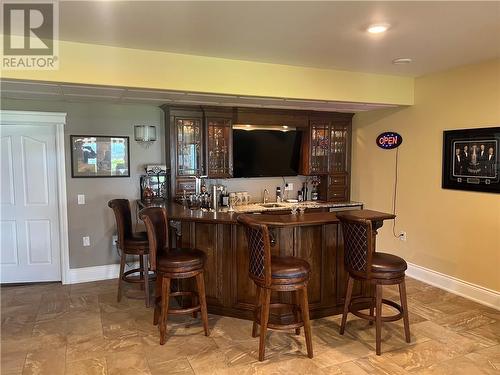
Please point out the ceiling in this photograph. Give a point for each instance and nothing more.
(436, 35)
(20, 89)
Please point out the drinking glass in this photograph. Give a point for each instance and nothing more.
(239, 198)
(232, 201)
(246, 198)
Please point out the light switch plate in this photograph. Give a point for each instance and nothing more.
(81, 199)
(86, 241)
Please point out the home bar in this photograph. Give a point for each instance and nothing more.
(313, 236)
(250, 187)
(203, 150)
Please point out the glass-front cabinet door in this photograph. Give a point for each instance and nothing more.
(189, 146)
(219, 148)
(320, 145)
(338, 148)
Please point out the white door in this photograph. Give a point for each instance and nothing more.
(30, 248)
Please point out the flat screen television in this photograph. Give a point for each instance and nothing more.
(266, 153)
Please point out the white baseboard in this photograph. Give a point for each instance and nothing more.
(451, 284)
(88, 274)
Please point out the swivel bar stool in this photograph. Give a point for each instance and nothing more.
(275, 273)
(376, 268)
(131, 243)
(172, 263)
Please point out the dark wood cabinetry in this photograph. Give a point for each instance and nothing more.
(338, 183)
(326, 153)
(219, 144)
(189, 155)
(200, 140)
(320, 146)
(200, 143)
(184, 135)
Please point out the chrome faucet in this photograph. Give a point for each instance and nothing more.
(265, 196)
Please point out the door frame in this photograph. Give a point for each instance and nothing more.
(58, 120)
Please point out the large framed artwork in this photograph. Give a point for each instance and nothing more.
(99, 156)
(470, 159)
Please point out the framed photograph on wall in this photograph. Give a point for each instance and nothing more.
(470, 159)
(99, 156)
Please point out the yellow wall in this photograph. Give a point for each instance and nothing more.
(103, 65)
(453, 232)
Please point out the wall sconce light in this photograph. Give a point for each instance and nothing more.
(145, 134)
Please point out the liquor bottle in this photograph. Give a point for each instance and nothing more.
(278, 194)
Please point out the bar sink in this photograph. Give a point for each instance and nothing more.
(271, 205)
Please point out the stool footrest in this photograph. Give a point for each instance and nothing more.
(181, 310)
(130, 278)
(277, 323)
(389, 318)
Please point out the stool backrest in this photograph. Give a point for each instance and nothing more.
(259, 248)
(358, 248)
(121, 209)
(156, 221)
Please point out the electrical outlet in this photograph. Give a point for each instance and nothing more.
(402, 236)
(81, 199)
(86, 241)
(115, 240)
(289, 186)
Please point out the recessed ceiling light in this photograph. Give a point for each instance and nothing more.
(378, 28)
(401, 61)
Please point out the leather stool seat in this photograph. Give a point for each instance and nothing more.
(137, 240)
(285, 268)
(388, 263)
(171, 260)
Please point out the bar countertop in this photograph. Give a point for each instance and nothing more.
(178, 212)
(319, 218)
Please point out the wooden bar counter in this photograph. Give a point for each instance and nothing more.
(313, 236)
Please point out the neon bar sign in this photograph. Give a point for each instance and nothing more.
(389, 140)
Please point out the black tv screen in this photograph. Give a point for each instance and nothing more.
(266, 153)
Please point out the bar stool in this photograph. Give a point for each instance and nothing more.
(131, 243)
(172, 263)
(376, 268)
(275, 273)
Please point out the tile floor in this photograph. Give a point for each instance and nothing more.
(81, 329)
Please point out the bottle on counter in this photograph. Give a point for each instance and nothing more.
(224, 198)
(300, 197)
(304, 191)
(314, 195)
(279, 198)
(214, 201)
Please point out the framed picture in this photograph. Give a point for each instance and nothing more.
(470, 159)
(99, 156)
